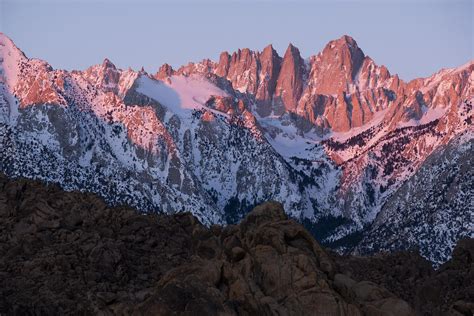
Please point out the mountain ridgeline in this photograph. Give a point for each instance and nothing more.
(366, 161)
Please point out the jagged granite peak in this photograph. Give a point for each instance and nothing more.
(243, 70)
(165, 71)
(270, 63)
(289, 86)
(108, 64)
(106, 77)
(443, 93)
(223, 65)
(370, 75)
(252, 72)
(336, 67)
(110, 76)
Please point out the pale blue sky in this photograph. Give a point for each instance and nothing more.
(412, 38)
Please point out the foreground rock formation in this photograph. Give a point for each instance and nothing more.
(68, 252)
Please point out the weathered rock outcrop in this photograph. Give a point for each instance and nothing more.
(65, 252)
(290, 82)
(165, 71)
(336, 67)
(270, 64)
(446, 291)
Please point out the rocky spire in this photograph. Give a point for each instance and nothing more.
(108, 64)
(165, 71)
(223, 66)
(289, 85)
(270, 64)
(110, 76)
(336, 67)
(243, 70)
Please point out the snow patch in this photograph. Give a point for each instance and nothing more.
(288, 141)
(429, 115)
(10, 57)
(375, 121)
(180, 94)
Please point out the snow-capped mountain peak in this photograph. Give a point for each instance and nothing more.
(11, 59)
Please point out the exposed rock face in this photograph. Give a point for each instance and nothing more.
(353, 86)
(110, 76)
(270, 64)
(222, 68)
(372, 76)
(68, 252)
(40, 85)
(64, 252)
(164, 72)
(252, 72)
(446, 291)
(243, 70)
(290, 80)
(336, 67)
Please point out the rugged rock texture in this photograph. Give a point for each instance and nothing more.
(290, 83)
(337, 66)
(64, 252)
(447, 291)
(270, 64)
(254, 73)
(165, 71)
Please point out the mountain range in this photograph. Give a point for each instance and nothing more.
(366, 161)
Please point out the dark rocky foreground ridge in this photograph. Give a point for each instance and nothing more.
(69, 253)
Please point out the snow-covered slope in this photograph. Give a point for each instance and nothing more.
(336, 139)
(432, 209)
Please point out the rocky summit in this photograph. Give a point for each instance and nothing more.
(69, 253)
